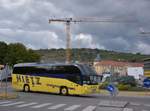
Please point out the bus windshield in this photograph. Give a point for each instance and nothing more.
(89, 75)
(87, 70)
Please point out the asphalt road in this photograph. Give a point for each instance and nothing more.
(51, 102)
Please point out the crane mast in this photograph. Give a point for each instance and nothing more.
(67, 22)
(68, 44)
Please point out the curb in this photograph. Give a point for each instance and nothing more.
(128, 93)
(8, 96)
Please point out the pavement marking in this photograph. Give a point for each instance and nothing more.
(57, 106)
(148, 105)
(127, 109)
(135, 104)
(24, 105)
(89, 108)
(5, 102)
(71, 108)
(11, 104)
(108, 109)
(41, 105)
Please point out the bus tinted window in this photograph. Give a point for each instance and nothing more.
(28, 70)
(88, 70)
(74, 78)
(66, 70)
(48, 70)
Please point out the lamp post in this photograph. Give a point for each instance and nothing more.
(6, 76)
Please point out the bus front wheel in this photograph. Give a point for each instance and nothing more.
(26, 88)
(64, 90)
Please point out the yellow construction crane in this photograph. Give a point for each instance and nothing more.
(68, 21)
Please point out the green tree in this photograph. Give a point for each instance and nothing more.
(17, 53)
(3, 51)
(32, 56)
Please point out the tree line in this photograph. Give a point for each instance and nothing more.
(16, 53)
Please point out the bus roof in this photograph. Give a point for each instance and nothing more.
(146, 59)
(42, 64)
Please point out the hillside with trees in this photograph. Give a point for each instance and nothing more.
(88, 55)
(16, 52)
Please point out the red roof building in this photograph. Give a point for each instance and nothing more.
(115, 67)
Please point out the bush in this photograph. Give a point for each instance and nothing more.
(104, 85)
(138, 89)
(123, 87)
(127, 80)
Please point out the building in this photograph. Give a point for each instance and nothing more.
(97, 59)
(147, 67)
(114, 67)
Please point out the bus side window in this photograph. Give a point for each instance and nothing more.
(74, 78)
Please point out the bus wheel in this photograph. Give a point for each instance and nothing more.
(26, 88)
(64, 91)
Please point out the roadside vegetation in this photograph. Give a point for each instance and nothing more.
(15, 53)
(123, 83)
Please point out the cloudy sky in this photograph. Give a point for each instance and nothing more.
(26, 21)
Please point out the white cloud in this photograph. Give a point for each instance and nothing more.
(10, 4)
(30, 46)
(143, 47)
(120, 41)
(86, 41)
(32, 39)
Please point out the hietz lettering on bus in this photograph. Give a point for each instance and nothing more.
(28, 79)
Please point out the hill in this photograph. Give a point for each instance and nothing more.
(88, 55)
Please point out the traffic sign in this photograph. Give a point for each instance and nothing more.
(146, 83)
(112, 89)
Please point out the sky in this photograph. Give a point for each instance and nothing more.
(26, 21)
